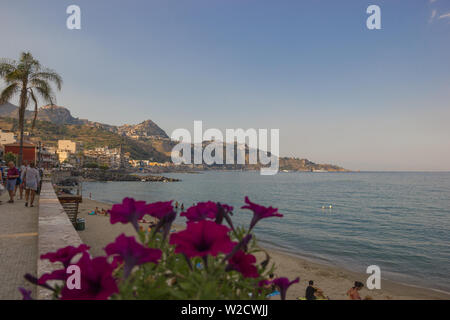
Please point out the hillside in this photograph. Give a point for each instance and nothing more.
(60, 115)
(144, 141)
(90, 137)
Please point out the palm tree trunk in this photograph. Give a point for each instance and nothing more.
(22, 107)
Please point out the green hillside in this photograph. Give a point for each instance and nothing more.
(90, 137)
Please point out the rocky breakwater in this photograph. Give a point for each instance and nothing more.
(119, 175)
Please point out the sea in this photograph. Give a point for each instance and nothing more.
(399, 221)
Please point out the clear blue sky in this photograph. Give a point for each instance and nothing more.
(338, 92)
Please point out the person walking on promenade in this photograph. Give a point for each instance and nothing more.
(11, 180)
(32, 179)
(20, 180)
(2, 187)
(41, 176)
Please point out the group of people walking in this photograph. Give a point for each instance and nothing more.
(27, 178)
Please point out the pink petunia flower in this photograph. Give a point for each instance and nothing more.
(201, 211)
(65, 255)
(260, 212)
(55, 275)
(202, 238)
(97, 282)
(159, 209)
(130, 211)
(131, 253)
(243, 263)
(283, 284)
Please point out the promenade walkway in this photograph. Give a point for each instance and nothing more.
(18, 246)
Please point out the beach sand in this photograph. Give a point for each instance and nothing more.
(334, 281)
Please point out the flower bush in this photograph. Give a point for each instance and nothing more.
(209, 259)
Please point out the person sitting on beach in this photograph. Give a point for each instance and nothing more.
(310, 290)
(103, 212)
(312, 293)
(97, 211)
(353, 293)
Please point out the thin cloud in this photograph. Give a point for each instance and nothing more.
(433, 14)
(444, 16)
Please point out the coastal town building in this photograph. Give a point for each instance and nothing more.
(104, 156)
(7, 137)
(29, 151)
(66, 148)
(148, 163)
(47, 157)
(67, 145)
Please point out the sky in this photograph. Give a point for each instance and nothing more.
(339, 92)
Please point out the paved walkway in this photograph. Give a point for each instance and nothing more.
(18, 246)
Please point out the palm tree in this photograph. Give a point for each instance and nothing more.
(27, 78)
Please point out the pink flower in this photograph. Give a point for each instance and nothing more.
(97, 282)
(283, 284)
(159, 209)
(164, 212)
(243, 263)
(131, 253)
(201, 211)
(55, 275)
(65, 255)
(260, 212)
(264, 283)
(202, 238)
(130, 211)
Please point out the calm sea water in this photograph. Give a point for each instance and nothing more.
(398, 221)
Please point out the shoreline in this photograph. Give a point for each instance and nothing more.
(333, 280)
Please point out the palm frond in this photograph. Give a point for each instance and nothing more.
(15, 76)
(7, 66)
(28, 62)
(44, 90)
(35, 108)
(8, 93)
(49, 75)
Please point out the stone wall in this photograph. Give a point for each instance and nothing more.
(55, 232)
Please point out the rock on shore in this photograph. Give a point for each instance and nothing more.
(118, 175)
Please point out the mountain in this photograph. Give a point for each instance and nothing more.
(143, 130)
(53, 114)
(8, 110)
(60, 115)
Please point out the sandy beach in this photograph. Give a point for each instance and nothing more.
(334, 281)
